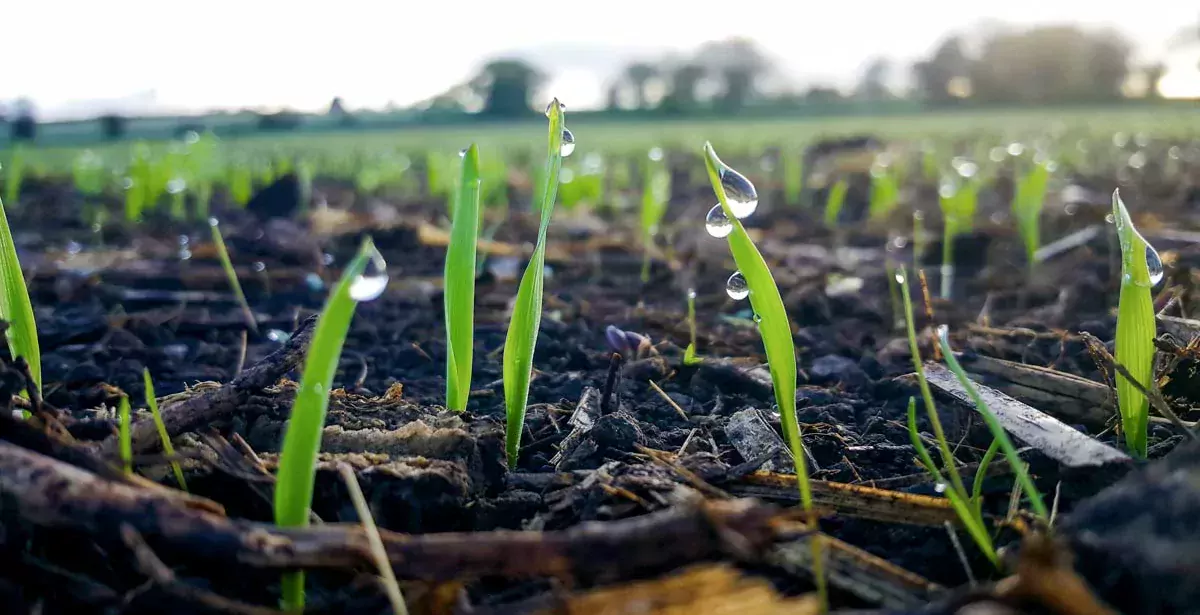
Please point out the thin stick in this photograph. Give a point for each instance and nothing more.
(241, 362)
(958, 549)
(1153, 395)
(667, 398)
(390, 585)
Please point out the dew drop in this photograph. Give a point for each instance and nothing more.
(691, 294)
(176, 185)
(259, 266)
(279, 336)
(757, 319)
(997, 154)
(1154, 265)
(372, 281)
(213, 222)
(717, 223)
(655, 154)
(736, 286)
(1015, 149)
(462, 153)
(327, 258)
(73, 248)
(550, 105)
(940, 487)
(568, 143)
(1109, 218)
(314, 282)
(743, 198)
(899, 278)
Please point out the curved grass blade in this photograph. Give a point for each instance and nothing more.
(527, 310)
(15, 306)
(1027, 204)
(834, 202)
(459, 295)
(231, 273)
(1136, 328)
(776, 332)
(302, 438)
(124, 438)
(168, 448)
(1001, 436)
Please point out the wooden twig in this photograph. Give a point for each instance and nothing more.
(1152, 393)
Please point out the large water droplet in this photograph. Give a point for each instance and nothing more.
(568, 143)
(372, 281)
(742, 197)
(736, 287)
(940, 487)
(717, 223)
(1154, 265)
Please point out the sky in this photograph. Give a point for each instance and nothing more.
(274, 53)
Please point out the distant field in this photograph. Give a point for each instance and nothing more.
(616, 135)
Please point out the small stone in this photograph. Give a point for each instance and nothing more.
(833, 368)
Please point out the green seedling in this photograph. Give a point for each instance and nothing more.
(793, 176)
(655, 195)
(834, 202)
(527, 310)
(124, 439)
(1028, 198)
(364, 279)
(948, 480)
(13, 174)
(15, 306)
(459, 295)
(1000, 436)
(168, 448)
(231, 273)
(689, 354)
(1141, 269)
(754, 280)
(958, 201)
(885, 192)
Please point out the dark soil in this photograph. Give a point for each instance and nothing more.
(113, 302)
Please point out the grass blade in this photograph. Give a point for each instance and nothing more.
(1001, 436)
(776, 332)
(527, 310)
(15, 306)
(231, 273)
(302, 438)
(168, 448)
(459, 295)
(124, 439)
(834, 202)
(1136, 328)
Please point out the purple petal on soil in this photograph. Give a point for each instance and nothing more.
(616, 340)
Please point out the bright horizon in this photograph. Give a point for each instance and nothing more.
(270, 53)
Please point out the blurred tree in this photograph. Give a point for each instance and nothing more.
(612, 98)
(507, 86)
(1051, 64)
(740, 65)
(337, 107)
(1153, 74)
(822, 94)
(639, 75)
(937, 77)
(112, 126)
(23, 126)
(681, 97)
(872, 85)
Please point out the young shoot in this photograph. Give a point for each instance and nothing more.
(793, 175)
(885, 191)
(13, 174)
(1141, 269)
(737, 198)
(1028, 198)
(689, 355)
(168, 448)
(957, 198)
(947, 479)
(1000, 436)
(834, 202)
(231, 273)
(655, 194)
(124, 438)
(364, 279)
(527, 309)
(15, 306)
(459, 282)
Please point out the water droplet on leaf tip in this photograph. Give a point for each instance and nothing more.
(736, 286)
(568, 143)
(943, 333)
(260, 266)
(691, 293)
(717, 223)
(372, 281)
(899, 278)
(739, 191)
(1154, 265)
(940, 487)
(213, 221)
(462, 153)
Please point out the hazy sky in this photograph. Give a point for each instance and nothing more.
(227, 53)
